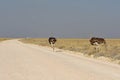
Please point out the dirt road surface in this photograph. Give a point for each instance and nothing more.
(19, 61)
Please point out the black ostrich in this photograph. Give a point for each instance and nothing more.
(52, 41)
(96, 42)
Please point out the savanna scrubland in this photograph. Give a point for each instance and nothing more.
(3, 39)
(111, 52)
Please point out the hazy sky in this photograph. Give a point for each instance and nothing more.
(62, 18)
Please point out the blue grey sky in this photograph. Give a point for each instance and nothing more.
(62, 18)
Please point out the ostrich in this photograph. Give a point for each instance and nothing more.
(52, 41)
(95, 41)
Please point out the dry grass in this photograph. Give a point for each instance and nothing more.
(112, 50)
(3, 39)
(67, 44)
(37, 41)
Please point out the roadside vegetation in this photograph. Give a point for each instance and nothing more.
(112, 51)
(3, 39)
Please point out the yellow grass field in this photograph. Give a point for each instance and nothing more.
(3, 39)
(112, 50)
